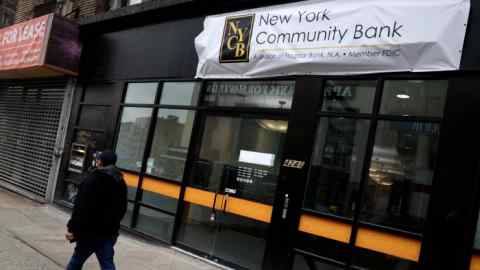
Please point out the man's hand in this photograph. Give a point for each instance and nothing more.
(69, 236)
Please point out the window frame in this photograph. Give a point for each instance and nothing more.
(155, 107)
(374, 117)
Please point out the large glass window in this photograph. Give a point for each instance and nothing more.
(414, 98)
(169, 133)
(242, 154)
(229, 202)
(349, 96)
(170, 143)
(180, 93)
(400, 176)
(155, 223)
(336, 165)
(132, 137)
(142, 93)
(396, 185)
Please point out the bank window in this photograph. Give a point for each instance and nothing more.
(180, 93)
(132, 137)
(261, 94)
(141, 93)
(170, 144)
(414, 97)
(400, 177)
(154, 136)
(349, 96)
(241, 155)
(336, 166)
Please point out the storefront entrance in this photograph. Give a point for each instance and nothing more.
(300, 174)
(229, 200)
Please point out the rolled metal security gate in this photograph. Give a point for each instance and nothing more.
(30, 114)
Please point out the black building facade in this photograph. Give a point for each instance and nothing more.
(348, 173)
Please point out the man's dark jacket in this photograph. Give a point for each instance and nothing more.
(100, 205)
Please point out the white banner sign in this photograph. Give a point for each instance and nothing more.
(334, 37)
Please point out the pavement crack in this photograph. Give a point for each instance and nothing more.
(26, 243)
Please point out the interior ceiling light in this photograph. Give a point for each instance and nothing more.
(403, 96)
(277, 126)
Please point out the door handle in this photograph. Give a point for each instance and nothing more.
(286, 202)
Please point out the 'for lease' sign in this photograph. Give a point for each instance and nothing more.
(22, 45)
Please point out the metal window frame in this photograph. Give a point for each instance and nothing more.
(374, 117)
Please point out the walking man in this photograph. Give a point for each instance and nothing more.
(99, 207)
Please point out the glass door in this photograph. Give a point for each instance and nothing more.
(229, 200)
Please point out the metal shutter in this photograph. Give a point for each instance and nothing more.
(29, 118)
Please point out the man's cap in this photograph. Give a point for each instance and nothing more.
(108, 157)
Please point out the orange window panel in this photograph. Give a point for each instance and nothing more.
(202, 197)
(395, 245)
(325, 227)
(131, 179)
(164, 188)
(475, 262)
(254, 210)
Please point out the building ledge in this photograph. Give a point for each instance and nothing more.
(130, 10)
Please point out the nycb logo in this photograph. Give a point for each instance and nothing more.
(236, 39)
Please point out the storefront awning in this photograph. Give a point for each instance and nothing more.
(46, 46)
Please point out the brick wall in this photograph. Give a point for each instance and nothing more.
(86, 8)
(24, 10)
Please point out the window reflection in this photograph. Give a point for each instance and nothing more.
(370, 260)
(349, 96)
(236, 239)
(141, 93)
(155, 223)
(476, 242)
(127, 219)
(414, 97)
(263, 94)
(337, 165)
(170, 144)
(180, 93)
(305, 262)
(242, 155)
(132, 137)
(400, 176)
(324, 247)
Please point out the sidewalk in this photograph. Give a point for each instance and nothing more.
(32, 238)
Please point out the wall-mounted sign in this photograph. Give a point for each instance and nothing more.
(334, 37)
(41, 47)
(339, 92)
(292, 163)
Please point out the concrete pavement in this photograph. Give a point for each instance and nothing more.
(32, 238)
